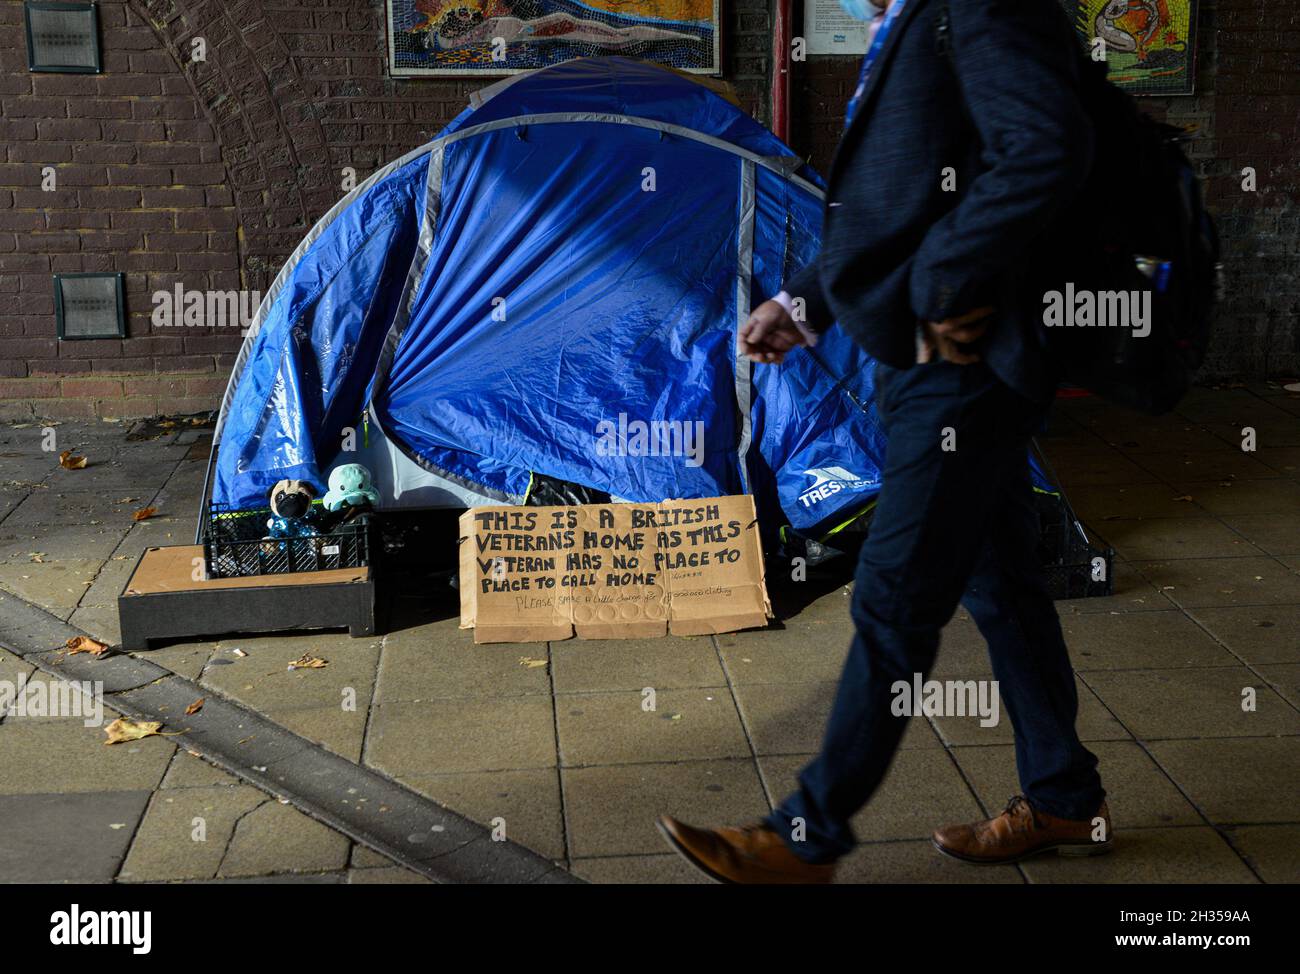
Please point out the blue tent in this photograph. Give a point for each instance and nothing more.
(549, 292)
(543, 301)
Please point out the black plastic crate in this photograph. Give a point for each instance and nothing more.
(1073, 566)
(235, 544)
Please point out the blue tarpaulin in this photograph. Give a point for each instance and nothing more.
(570, 258)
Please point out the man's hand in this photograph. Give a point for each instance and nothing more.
(945, 338)
(769, 333)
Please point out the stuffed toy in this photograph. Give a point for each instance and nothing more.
(350, 487)
(291, 513)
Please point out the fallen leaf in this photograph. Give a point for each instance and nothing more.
(68, 462)
(128, 730)
(195, 707)
(239, 652)
(84, 644)
(308, 662)
(531, 662)
(1185, 497)
(144, 514)
(37, 556)
(125, 500)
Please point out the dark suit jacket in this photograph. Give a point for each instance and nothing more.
(994, 97)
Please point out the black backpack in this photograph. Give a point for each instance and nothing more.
(1139, 225)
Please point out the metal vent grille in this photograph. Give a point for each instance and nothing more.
(62, 37)
(89, 305)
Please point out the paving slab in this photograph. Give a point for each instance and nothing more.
(385, 876)
(1276, 534)
(1271, 427)
(962, 650)
(1084, 469)
(789, 655)
(183, 659)
(276, 838)
(1204, 582)
(188, 770)
(262, 679)
(612, 728)
(1228, 497)
(185, 832)
(41, 756)
(1166, 434)
(611, 810)
(1203, 466)
(922, 791)
(1172, 855)
(1285, 460)
(1101, 641)
(78, 500)
(67, 838)
(110, 582)
(667, 663)
(916, 861)
(1236, 781)
(1285, 679)
(54, 586)
(99, 621)
(57, 543)
(640, 870)
(1101, 503)
(334, 728)
(1169, 537)
(1255, 633)
(1193, 702)
(439, 661)
(1138, 793)
(1094, 723)
(492, 734)
(527, 801)
(1273, 851)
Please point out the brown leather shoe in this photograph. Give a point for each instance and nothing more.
(752, 854)
(1022, 831)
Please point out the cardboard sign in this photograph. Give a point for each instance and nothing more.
(609, 571)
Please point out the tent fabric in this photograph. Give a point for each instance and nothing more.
(574, 253)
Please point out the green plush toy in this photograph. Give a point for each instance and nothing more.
(350, 487)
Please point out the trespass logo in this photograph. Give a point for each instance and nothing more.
(828, 481)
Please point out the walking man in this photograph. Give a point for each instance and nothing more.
(964, 139)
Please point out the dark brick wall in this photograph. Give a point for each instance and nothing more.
(1247, 104)
(208, 174)
(203, 174)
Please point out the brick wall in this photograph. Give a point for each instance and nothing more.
(205, 174)
(1247, 104)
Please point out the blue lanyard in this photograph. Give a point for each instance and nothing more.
(877, 42)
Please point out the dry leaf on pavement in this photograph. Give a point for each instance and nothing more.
(144, 514)
(531, 662)
(195, 707)
(84, 644)
(128, 730)
(308, 662)
(68, 462)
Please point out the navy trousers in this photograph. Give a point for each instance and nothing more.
(955, 522)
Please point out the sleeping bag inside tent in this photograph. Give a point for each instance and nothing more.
(541, 306)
